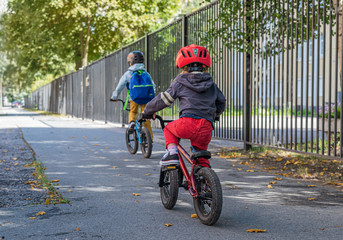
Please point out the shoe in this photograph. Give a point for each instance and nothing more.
(169, 159)
(132, 125)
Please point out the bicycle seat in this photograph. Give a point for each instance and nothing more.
(201, 154)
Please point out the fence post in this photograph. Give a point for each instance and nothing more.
(146, 59)
(246, 86)
(184, 30)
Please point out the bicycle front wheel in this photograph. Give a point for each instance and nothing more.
(208, 205)
(131, 141)
(146, 145)
(169, 188)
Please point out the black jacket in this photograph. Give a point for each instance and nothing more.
(197, 93)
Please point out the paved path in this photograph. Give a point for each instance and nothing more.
(83, 154)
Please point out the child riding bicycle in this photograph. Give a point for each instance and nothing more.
(138, 96)
(201, 101)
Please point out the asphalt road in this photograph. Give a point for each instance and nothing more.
(91, 160)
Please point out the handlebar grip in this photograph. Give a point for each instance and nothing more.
(145, 116)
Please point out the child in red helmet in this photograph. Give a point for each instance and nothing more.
(200, 102)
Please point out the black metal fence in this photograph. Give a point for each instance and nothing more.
(287, 93)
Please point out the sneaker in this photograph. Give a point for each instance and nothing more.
(169, 159)
(132, 125)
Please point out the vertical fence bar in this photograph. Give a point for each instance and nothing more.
(312, 72)
(324, 80)
(184, 30)
(307, 73)
(247, 97)
(287, 78)
(330, 81)
(318, 71)
(336, 76)
(292, 74)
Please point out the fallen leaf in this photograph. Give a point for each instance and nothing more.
(278, 179)
(15, 164)
(239, 169)
(148, 174)
(311, 185)
(27, 199)
(194, 215)
(136, 194)
(96, 144)
(7, 169)
(137, 201)
(40, 213)
(246, 208)
(106, 147)
(138, 185)
(70, 190)
(256, 230)
(118, 175)
(55, 180)
(32, 217)
(269, 186)
(14, 159)
(168, 224)
(114, 167)
(78, 229)
(311, 199)
(47, 201)
(273, 182)
(250, 171)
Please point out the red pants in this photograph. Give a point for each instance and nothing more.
(199, 131)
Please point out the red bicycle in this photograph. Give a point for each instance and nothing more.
(202, 183)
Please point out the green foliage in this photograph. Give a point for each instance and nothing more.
(241, 23)
(43, 37)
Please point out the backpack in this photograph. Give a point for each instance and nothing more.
(141, 88)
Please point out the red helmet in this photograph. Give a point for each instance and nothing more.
(191, 54)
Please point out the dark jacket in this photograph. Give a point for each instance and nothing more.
(199, 97)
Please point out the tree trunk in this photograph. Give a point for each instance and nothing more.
(85, 43)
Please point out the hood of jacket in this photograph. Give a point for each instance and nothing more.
(198, 82)
(137, 66)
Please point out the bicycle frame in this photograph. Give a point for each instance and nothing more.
(183, 153)
(189, 177)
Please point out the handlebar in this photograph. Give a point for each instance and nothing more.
(162, 121)
(120, 100)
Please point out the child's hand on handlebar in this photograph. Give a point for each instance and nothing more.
(113, 100)
(146, 116)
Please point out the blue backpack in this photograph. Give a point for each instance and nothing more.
(141, 88)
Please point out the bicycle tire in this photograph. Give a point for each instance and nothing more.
(170, 188)
(208, 186)
(146, 145)
(131, 141)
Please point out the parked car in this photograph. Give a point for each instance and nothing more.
(16, 104)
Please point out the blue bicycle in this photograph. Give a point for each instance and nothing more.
(139, 135)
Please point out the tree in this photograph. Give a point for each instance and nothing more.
(42, 37)
(239, 21)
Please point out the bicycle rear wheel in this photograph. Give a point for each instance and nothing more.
(169, 188)
(208, 205)
(131, 141)
(146, 145)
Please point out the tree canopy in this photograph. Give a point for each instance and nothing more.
(41, 38)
